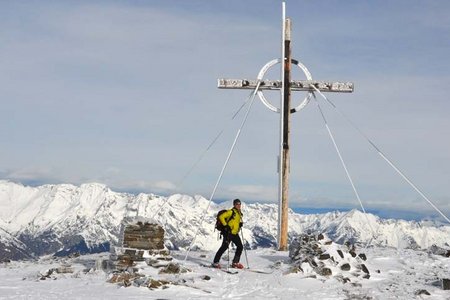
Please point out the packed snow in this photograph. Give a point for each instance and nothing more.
(395, 274)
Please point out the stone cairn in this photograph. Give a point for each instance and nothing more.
(142, 242)
(318, 257)
(142, 246)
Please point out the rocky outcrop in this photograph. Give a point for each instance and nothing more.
(317, 256)
(439, 251)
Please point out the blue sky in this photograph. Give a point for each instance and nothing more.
(124, 93)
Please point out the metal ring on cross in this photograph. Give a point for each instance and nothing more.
(264, 70)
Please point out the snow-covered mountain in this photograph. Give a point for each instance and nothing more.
(65, 218)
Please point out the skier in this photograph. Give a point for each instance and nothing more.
(232, 221)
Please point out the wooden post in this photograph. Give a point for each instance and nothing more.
(285, 156)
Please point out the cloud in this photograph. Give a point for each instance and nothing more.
(251, 192)
(32, 175)
(164, 185)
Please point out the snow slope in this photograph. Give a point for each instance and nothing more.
(402, 275)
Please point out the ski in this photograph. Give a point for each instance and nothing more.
(228, 271)
(258, 271)
(191, 286)
(220, 269)
(235, 271)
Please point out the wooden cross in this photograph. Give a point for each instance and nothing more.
(286, 86)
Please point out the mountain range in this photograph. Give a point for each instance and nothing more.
(61, 219)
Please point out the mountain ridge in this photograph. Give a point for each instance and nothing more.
(64, 218)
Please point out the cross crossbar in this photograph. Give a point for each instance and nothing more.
(295, 85)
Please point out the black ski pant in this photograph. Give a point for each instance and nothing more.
(227, 238)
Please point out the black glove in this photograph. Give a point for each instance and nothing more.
(227, 229)
(240, 224)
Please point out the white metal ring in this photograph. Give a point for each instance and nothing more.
(264, 70)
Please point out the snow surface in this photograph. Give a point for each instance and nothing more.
(402, 274)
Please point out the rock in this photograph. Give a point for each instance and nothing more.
(445, 284)
(342, 279)
(124, 262)
(421, 292)
(320, 237)
(145, 236)
(64, 269)
(140, 281)
(104, 265)
(206, 277)
(124, 278)
(173, 268)
(46, 274)
(439, 251)
(316, 247)
(154, 284)
(362, 256)
(345, 267)
(364, 268)
(295, 269)
(324, 256)
(324, 271)
(341, 254)
(74, 254)
(352, 253)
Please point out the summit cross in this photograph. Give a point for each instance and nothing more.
(285, 86)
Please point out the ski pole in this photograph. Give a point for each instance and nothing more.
(245, 250)
(228, 247)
